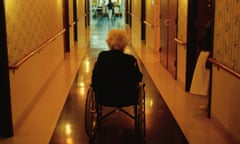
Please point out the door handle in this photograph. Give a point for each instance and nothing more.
(166, 22)
(180, 42)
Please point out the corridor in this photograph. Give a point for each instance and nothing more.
(161, 126)
(172, 115)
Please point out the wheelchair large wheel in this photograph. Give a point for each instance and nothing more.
(141, 119)
(90, 114)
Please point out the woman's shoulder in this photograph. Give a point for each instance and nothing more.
(106, 54)
(103, 53)
(131, 57)
(117, 54)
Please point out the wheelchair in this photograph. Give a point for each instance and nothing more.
(94, 115)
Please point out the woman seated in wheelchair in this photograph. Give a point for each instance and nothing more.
(116, 75)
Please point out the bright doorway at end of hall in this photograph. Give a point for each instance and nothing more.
(99, 9)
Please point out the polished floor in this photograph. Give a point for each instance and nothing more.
(172, 115)
(161, 127)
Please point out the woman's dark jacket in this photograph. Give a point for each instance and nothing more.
(115, 78)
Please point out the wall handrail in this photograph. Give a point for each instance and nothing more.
(81, 17)
(28, 56)
(226, 68)
(148, 23)
(178, 41)
(133, 15)
(72, 24)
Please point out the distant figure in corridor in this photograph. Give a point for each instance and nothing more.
(110, 9)
(115, 70)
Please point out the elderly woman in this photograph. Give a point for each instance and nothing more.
(116, 75)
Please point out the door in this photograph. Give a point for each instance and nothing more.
(200, 14)
(168, 31)
(163, 32)
(172, 33)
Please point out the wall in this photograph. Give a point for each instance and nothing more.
(150, 31)
(156, 23)
(227, 42)
(29, 25)
(136, 22)
(225, 102)
(81, 23)
(27, 81)
(226, 50)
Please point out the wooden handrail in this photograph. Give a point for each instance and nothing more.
(133, 15)
(28, 56)
(149, 24)
(226, 68)
(81, 17)
(178, 41)
(72, 24)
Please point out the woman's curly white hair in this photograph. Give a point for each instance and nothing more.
(117, 39)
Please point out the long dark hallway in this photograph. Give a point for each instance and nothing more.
(161, 126)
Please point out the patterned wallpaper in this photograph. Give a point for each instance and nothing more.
(227, 33)
(29, 24)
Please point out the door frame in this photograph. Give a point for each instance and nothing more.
(192, 41)
(191, 58)
(6, 125)
(128, 4)
(75, 18)
(87, 13)
(126, 12)
(66, 26)
(143, 17)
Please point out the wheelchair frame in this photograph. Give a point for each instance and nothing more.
(93, 113)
